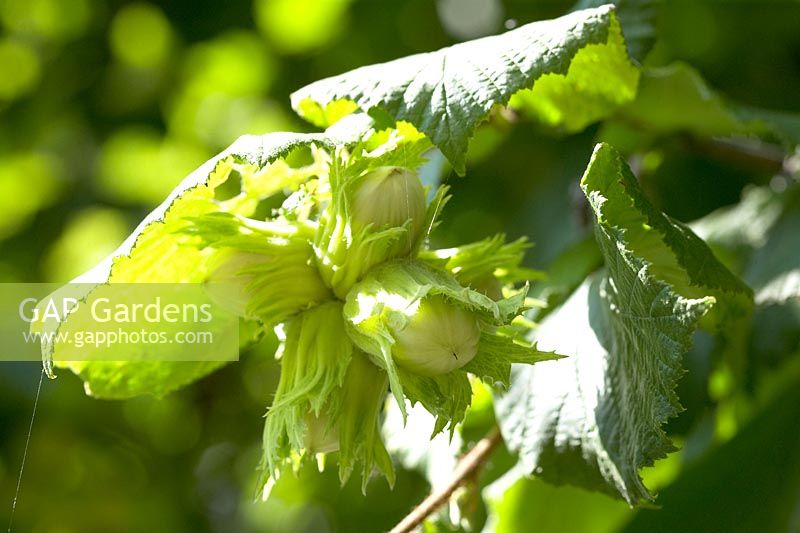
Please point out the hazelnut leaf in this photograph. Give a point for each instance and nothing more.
(595, 419)
(567, 72)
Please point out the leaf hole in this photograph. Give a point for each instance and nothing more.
(267, 206)
(299, 157)
(230, 188)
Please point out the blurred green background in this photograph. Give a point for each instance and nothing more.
(105, 105)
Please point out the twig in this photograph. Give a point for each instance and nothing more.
(746, 153)
(466, 467)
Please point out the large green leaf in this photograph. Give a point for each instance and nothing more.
(638, 20)
(156, 252)
(153, 252)
(676, 99)
(126, 379)
(594, 420)
(759, 236)
(774, 269)
(735, 231)
(575, 69)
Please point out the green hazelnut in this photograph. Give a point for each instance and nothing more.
(389, 197)
(438, 338)
(320, 436)
(268, 287)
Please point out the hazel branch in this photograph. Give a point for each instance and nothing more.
(467, 467)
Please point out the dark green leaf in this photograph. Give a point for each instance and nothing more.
(447, 93)
(774, 269)
(676, 99)
(595, 419)
(638, 21)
